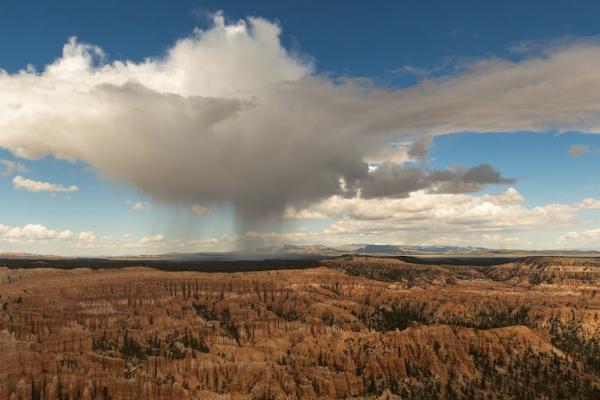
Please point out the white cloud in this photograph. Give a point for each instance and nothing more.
(87, 236)
(65, 235)
(153, 241)
(588, 238)
(37, 238)
(140, 205)
(281, 135)
(292, 213)
(498, 220)
(499, 209)
(32, 232)
(590, 203)
(155, 238)
(38, 186)
(200, 243)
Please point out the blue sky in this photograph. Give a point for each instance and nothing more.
(388, 47)
(352, 38)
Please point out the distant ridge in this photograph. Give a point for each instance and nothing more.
(314, 252)
(403, 250)
(30, 256)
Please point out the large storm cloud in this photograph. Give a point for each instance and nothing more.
(227, 115)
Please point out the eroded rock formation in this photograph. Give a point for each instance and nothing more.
(357, 327)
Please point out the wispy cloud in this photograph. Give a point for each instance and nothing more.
(199, 209)
(39, 186)
(292, 213)
(139, 205)
(9, 167)
(577, 150)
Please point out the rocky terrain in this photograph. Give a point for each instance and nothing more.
(353, 327)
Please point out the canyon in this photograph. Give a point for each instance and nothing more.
(351, 326)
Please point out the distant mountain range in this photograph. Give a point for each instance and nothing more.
(411, 250)
(294, 252)
(289, 251)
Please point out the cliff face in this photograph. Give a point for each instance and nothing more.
(356, 327)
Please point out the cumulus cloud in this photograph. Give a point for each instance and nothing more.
(442, 212)
(229, 115)
(38, 186)
(590, 203)
(87, 236)
(499, 220)
(40, 238)
(589, 238)
(32, 232)
(394, 180)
